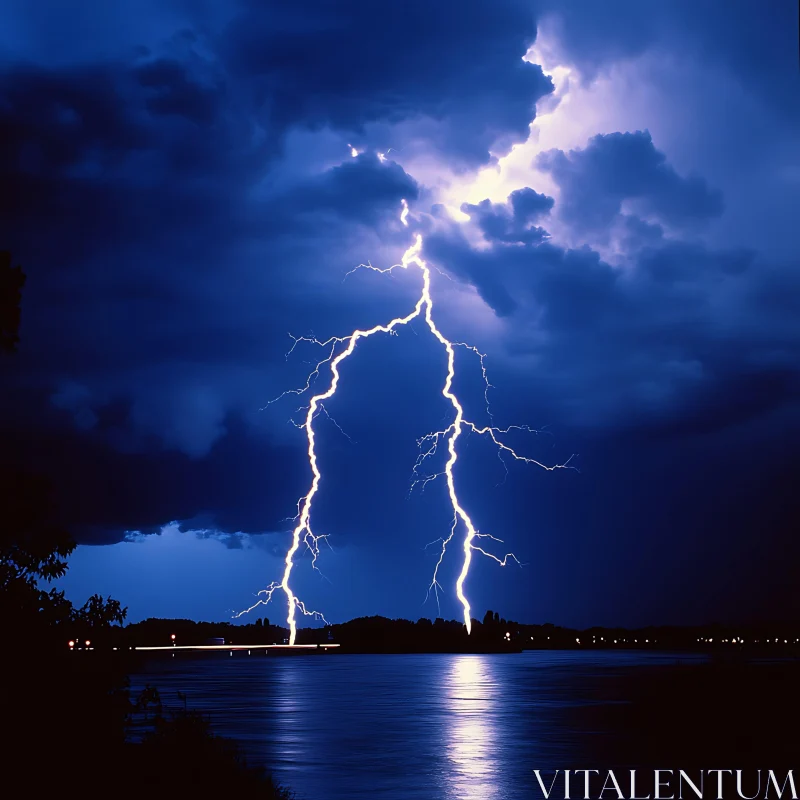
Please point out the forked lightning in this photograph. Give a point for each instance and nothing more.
(340, 348)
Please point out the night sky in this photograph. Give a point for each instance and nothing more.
(609, 194)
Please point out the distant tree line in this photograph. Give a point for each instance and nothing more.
(376, 634)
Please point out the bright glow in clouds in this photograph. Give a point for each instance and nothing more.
(514, 171)
(338, 349)
(618, 99)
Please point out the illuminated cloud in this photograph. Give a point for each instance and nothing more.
(625, 167)
(512, 222)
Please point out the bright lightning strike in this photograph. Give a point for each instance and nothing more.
(303, 533)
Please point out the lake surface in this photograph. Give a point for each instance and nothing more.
(408, 727)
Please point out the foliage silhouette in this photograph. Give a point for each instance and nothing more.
(180, 751)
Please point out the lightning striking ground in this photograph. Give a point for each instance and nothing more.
(303, 534)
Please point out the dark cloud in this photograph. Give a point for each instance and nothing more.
(105, 490)
(728, 399)
(232, 541)
(175, 92)
(618, 167)
(680, 263)
(453, 251)
(658, 343)
(459, 65)
(636, 234)
(360, 190)
(511, 222)
(131, 225)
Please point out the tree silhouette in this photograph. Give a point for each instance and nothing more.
(33, 550)
(32, 545)
(99, 613)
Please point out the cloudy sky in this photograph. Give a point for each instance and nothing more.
(605, 192)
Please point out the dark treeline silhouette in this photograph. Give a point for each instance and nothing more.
(376, 634)
(156, 631)
(362, 635)
(381, 635)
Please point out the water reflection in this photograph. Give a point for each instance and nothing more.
(470, 728)
(406, 727)
(289, 703)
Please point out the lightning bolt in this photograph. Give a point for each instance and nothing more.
(303, 534)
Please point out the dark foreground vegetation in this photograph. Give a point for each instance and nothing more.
(67, 716)
(69, 722)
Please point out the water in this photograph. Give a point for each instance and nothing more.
(405, 727)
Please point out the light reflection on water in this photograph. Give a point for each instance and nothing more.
(395, 727)
(471, 697)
